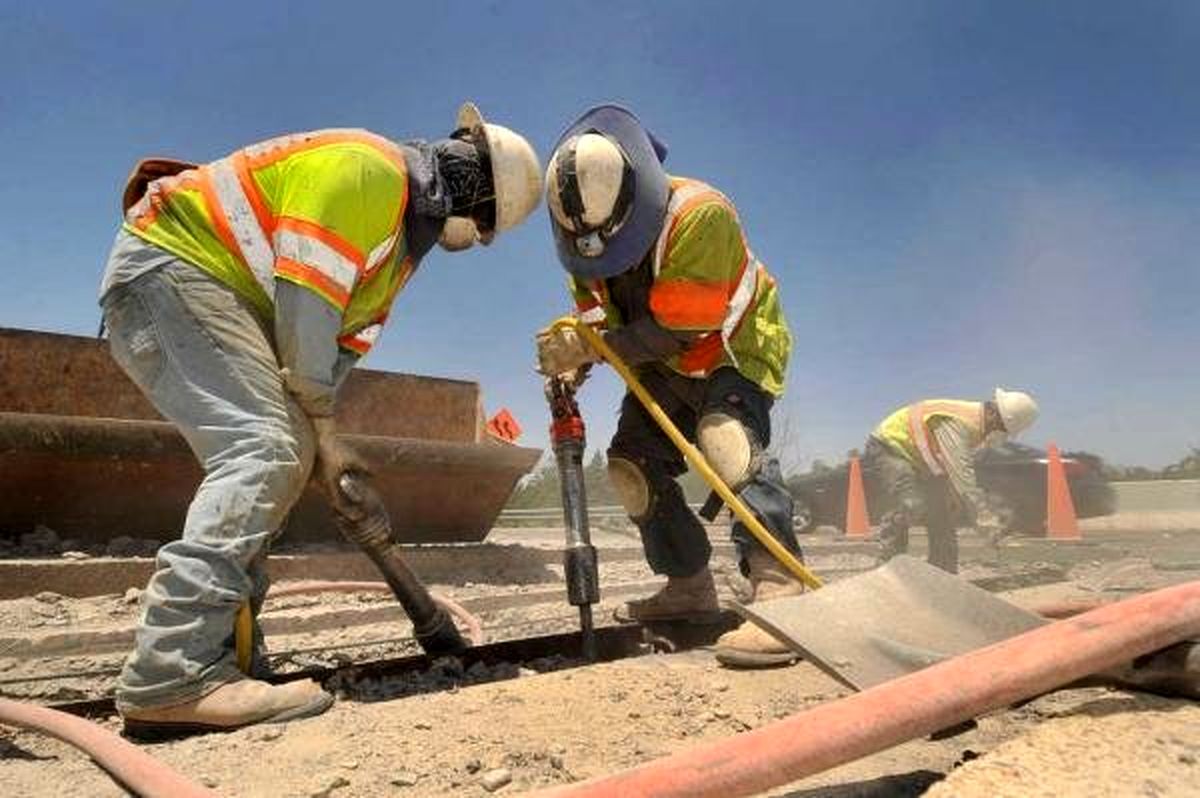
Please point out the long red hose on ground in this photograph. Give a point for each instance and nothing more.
(135, 769)
(938, 697)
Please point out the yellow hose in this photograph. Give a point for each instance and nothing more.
(243, 637)
(693, 455)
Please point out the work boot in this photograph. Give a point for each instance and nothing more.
(749, 646)
(684, 598)
(240, 703)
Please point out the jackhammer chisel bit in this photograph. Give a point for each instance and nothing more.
(362, 518)
(579, 555)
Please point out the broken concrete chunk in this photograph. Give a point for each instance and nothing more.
(495, 779)
(332, 784)
(405, 779)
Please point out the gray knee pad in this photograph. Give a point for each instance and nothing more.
(631, 486)
(730, 449)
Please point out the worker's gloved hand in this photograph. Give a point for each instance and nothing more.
(989, 526)
(570, 380)
(561, 350)
(334, 459)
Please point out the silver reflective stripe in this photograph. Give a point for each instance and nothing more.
(317, 254)
(380, 253)
(593, 316)
(678, 197)
(369, 334)
(278, 143)
(742, 297)
(920, 437)
(243, 224)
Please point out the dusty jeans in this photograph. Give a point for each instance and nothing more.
(672, 536)
(915, 497)
(200, 355)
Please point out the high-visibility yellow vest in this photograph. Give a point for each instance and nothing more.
(324, 210)
(706, 278)
(907, 432)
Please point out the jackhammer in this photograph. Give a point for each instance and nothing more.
(364, 520)
(579, 555)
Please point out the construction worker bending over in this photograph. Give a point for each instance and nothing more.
(923, 457)
(237, 296)
(660, 265)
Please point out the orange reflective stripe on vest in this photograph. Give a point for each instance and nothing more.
(925, 443)
(362, 340)
(919, 414)
(690, 303)
(697, 304)
(316, 256)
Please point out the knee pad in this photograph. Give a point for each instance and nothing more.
(730, 449)
(631, 486)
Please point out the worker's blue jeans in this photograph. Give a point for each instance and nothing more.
(672, 536)
(201, 356)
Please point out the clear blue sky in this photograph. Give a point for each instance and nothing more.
(951, 194)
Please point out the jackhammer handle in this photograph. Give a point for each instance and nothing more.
(693, 455)
(372, 531)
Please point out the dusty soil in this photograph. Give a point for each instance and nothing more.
(551, 728)
(1108, 745)
(514, 729)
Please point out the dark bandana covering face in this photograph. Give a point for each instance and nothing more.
(467, 173)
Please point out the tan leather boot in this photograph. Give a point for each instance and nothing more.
(749, 646)
(230, 706)
(684, 598)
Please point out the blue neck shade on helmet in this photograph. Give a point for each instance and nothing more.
(597, 253)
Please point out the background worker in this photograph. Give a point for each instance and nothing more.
(661, 266)
(237, 296)
(923, 457)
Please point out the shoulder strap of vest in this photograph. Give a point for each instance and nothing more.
(685, 194)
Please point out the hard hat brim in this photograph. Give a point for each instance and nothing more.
(637, 235)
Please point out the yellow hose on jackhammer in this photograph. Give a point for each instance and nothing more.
(691, 453)
(243, 637)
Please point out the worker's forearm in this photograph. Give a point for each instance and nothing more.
(646, 341)
(958, 457)
(306, 333)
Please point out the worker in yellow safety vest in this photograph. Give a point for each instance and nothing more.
(238, 295)
(661, 266)
(922, 456)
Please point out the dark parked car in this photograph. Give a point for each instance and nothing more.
(1012, 475)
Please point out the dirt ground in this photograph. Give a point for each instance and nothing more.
(556, 727)
(539, 726)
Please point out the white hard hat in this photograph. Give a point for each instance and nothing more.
(607, 193)
(1018, 411)
(589, 171)
(516, 173)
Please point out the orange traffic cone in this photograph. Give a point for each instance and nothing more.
(1061, 523)
(858, 525)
